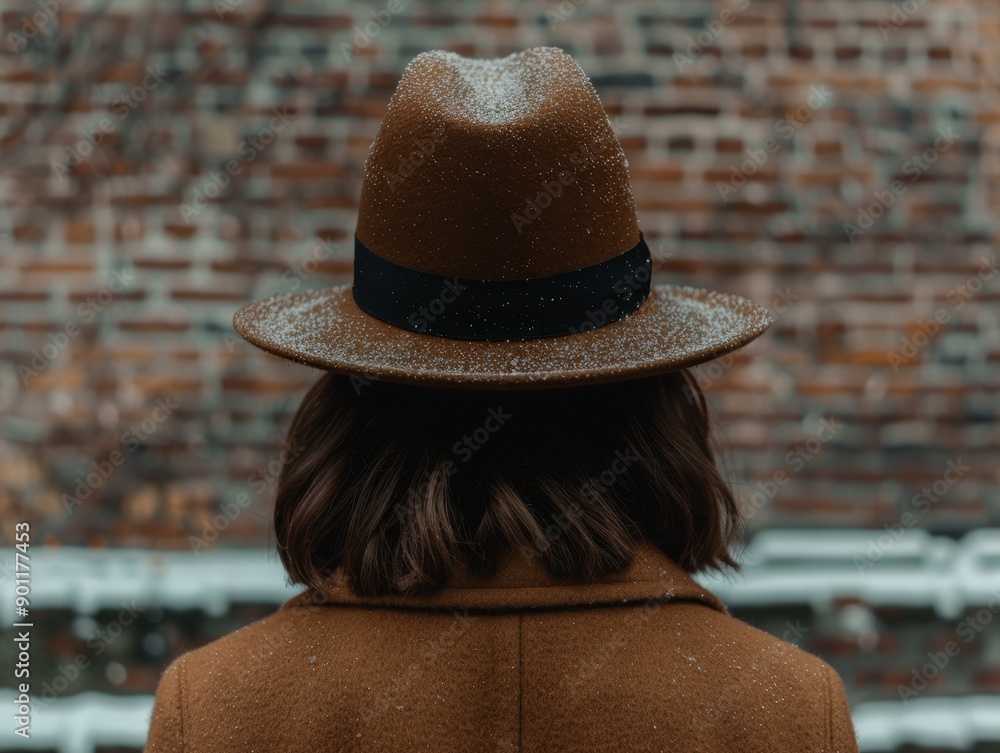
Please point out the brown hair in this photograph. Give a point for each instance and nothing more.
(400, 485)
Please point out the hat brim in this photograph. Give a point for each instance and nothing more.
(675, 328)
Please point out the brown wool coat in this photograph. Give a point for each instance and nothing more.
(644, 660)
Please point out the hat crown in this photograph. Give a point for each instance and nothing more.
(554, 296)
(496, 169)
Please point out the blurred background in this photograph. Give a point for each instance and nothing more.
(165, 162)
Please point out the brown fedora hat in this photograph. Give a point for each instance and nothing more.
(497, 246)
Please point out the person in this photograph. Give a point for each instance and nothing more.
(496, 495)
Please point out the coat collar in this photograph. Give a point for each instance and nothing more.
(523, 583)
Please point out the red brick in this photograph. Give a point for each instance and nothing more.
(80, 230)
(308, 170)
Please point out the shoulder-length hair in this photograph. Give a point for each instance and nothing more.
(400, 485)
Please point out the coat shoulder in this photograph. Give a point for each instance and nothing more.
(677, 671)
(748, 640)
(244, 649)
(233, 663)
(757, 670)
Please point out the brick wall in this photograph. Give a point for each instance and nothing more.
(163, 165)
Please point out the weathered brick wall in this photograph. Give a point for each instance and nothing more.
(835, 161)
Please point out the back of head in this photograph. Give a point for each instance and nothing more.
(401, 485)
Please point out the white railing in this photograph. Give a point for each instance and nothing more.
(779, 567)
(87, 580)
(953, 723)
(81, 723)
(914, 570)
